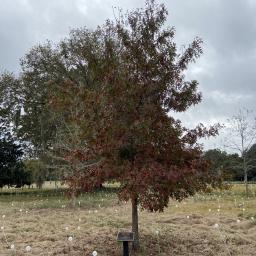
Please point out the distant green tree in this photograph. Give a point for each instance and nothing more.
(222, 163)
(10, 104)
(231, 165)
(32, 166)
(234, 162)
(217, 158)
(12, 169)
(251, 156)
(24, 113)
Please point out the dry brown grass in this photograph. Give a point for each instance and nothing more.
(46, 229)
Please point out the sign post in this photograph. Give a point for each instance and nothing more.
(125, 237)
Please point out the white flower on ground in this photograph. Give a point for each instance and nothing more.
(78, 227)
(157, 232)
(79, 219)
(12, 246)
(252, 218)
(243, 209)
(20, 210)
(94, 253)
(188, 217)
(218, 210)
(210, 210)
(70, 238)
(238, 221)
(66, 228)
(28, 248)
(2, 228)
(3, 216)
(216, 225)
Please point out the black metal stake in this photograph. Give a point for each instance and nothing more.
(125, 237)
(125, 248)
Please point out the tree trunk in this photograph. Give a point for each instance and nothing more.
(245, 175)
(72, 202)
(40, 185)
(246, 183)
(135, 223)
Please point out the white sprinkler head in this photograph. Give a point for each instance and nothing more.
(28, 248)
(216, 225)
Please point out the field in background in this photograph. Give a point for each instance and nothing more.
(220, 223)
(46, 185)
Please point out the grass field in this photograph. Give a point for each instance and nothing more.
(220, 223)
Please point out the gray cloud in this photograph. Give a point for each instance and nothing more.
(226, 71)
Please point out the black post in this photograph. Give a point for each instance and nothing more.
(125, 248)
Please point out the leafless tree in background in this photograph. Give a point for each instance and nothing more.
(241, 136)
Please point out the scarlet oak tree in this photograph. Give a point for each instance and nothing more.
(134, 80)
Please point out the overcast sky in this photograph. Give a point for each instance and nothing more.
(226, 71)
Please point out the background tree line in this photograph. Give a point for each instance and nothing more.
(16, 170)
(230, 165)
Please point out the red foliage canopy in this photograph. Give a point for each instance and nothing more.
(134, 80)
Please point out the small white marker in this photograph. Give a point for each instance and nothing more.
(216, 225)
(28, 248)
